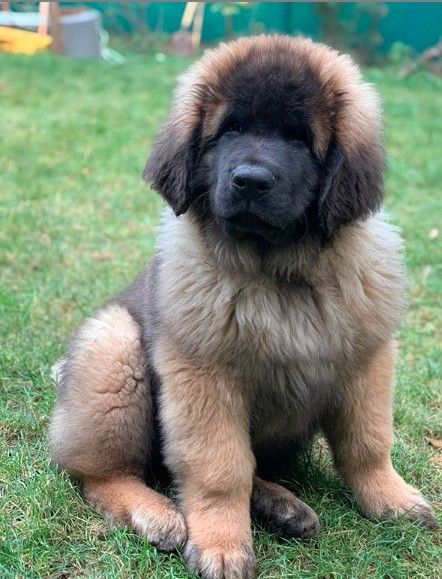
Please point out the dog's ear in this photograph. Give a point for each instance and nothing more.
(173, 164)
(352, 184)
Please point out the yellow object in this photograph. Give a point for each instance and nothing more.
(22, 41)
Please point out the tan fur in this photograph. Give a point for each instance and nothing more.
(100, 430)
(214, 471)
(128, 501)
(348, 302)
(296, 339)
(361, 436)
(107, 396)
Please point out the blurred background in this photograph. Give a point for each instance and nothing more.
(375, 32)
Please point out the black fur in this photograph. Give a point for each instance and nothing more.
(173, 166)
(352, 188)
(283, 514)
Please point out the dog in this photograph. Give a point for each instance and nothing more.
(268, 314)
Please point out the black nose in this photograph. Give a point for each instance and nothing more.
(252, 181)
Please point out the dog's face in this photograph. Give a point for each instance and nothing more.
(264, 173)
(266, 141)
(263, 176)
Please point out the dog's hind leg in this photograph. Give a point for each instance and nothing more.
(128, 500)
(101, 431)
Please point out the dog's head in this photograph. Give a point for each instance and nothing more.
(272, 138)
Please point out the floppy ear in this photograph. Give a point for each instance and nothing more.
(352, 184)
(172, 165)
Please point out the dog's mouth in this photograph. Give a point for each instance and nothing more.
(247, 224)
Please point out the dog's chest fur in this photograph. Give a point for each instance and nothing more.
(292, 331)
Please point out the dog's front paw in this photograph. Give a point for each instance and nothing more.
(387, 496)
(217, 562)
(408, 502)
(417, 509)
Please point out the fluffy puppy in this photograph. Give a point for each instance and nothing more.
(267, 314)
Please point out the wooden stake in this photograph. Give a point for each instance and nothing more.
(43, 25)
(198, 26)
(55, 27)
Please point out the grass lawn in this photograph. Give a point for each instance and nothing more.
(77, 223)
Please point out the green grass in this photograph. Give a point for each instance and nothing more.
(77, 223)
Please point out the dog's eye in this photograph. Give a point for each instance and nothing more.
(232, 127)
(298, 131)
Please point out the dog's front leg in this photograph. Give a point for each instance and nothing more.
(361, 436)
(205, 425)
